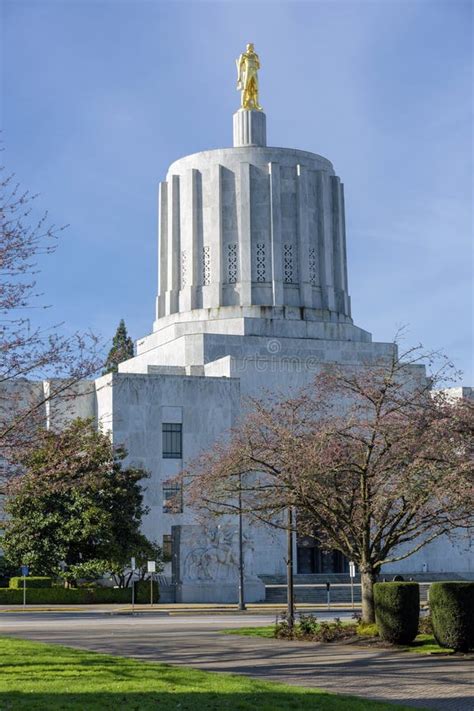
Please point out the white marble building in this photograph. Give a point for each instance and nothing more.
(253, 295)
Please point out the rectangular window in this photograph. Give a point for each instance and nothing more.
(172, 440)
(172, 498)
(166, 546)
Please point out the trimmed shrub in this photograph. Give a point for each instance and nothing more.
(452, 614)
(31, 582)
(79, 596)
(397, 611)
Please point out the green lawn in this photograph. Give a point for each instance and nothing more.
(267, 631)
(252, 631)
(423, 644)
(36, 676)
(426, 644)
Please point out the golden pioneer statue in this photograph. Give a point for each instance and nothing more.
(248, 65)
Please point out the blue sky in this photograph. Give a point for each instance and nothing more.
(98, 97)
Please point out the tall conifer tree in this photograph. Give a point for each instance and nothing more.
(122, 349)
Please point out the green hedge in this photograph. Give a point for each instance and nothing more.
(31, 582)
(78, 596)
(397, 611)
(64, 596)
(143, 593)
(452, 614)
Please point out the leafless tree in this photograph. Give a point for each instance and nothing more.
(375, 464)
(30, 352)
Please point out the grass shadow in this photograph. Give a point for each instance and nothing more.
(187, 701)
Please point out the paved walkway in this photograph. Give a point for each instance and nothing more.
(444, 683)
(176, 608)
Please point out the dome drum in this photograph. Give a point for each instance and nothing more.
(253, 226)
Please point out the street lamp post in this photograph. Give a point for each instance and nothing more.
(241, 552)
(289, 572)
(133, 568)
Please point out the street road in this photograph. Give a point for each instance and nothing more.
(114, 622)
(194, 640)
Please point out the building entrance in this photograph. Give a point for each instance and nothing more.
(311, 559)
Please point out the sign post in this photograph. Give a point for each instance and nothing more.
(352, 572)
(133, 567)
(24, 572)
(151, 569)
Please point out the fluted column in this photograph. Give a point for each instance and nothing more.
(250, 128)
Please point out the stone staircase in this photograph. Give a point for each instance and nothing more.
(312, 588)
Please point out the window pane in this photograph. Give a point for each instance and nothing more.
(172, 440)
(172, 498)
(167, 546)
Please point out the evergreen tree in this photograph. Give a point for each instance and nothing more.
(122, 349)
(77, 504)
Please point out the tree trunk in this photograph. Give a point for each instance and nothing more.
(367, 579)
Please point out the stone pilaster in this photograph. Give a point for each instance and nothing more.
(275, 232)
(302, 228)
(340, 275)
(326, 240)
(212, 296)
(173, 277)
(188, 239)
(162, 248)
(245, 247)
(344, 245)
(337, 233)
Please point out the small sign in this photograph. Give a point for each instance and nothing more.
(24, 570)
(352, 569)
(151, 566)
(132, 564)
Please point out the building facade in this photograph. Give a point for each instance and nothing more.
(253, 296)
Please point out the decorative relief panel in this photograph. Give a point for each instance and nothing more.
(184, 268)
(288, 264)
(260, 254)
(206, 265)
(232, 263)
(312, 266)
